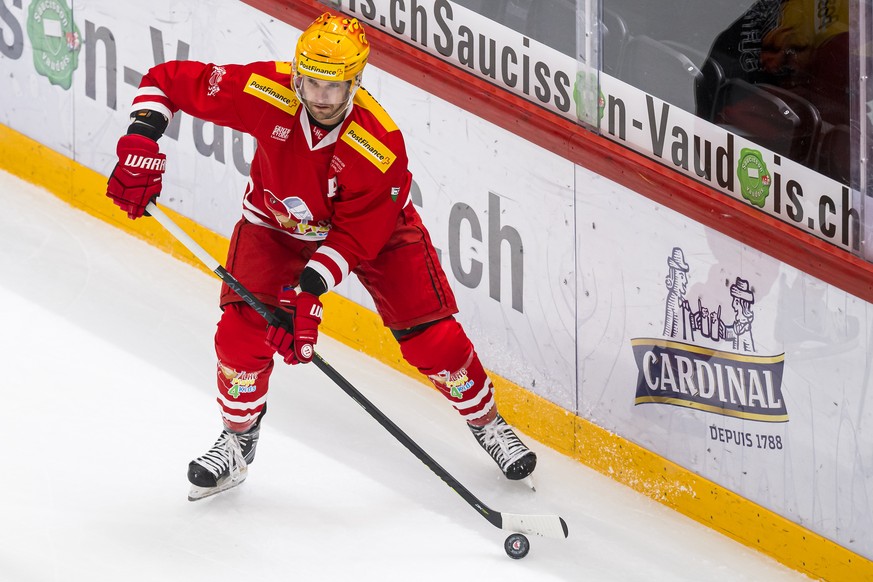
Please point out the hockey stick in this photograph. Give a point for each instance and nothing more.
(550, 526)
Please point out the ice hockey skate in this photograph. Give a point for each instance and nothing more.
(225, 465)
(511, 455)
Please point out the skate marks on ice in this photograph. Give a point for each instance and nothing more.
(110, 345)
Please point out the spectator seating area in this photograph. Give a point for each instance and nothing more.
(809, 125)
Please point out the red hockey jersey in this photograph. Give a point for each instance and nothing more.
(343, 188)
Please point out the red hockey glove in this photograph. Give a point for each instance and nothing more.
(136, 179)
(294, 337)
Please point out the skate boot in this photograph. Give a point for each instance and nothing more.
(225, 465)
(511, 455)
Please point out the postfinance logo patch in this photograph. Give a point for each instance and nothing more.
(55, 39)
(273, 93)
(368, 146)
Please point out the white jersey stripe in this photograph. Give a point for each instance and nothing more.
(256, 216)
(235, 405)
(336, 258)
(239, 419)
(150, 91)
(321, 262)
(473, 416)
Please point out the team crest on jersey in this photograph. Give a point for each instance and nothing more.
(296, 217)
(297, 208)
(217, 74)
(367, 145)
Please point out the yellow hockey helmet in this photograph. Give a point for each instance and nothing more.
(333, 48)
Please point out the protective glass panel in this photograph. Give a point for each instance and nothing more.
(766, 101)
(773, 70)
(861, 103)
(569, 28)
(784, 79)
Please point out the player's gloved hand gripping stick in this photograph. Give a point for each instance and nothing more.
(137, 177)
(295, 342)
(551, 526)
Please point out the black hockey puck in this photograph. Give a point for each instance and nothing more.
(517, 546)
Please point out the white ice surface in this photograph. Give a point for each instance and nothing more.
(108, 392)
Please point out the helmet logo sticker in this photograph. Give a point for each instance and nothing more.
(321, 70)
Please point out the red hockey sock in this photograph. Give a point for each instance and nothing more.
(445, 355)
(244, 366)
(242, 396)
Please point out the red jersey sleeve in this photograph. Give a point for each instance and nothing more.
(373, 186)
(204, 90)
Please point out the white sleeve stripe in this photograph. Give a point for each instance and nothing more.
(254, 215)
(150, 91)
(324, 272)
(337, 259)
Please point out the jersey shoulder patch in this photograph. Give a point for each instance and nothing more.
(272, 92)
(368, 146)
(364, 100)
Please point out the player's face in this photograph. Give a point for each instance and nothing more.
(325, 100)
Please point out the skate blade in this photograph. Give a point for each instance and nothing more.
(197, 493)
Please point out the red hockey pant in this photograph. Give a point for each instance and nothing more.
(408, 287)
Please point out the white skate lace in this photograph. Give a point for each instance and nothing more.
(498, 439)
(225, 457)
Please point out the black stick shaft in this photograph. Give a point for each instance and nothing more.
(494, 517)
(413, 447)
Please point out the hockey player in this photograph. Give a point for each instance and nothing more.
(328, 195)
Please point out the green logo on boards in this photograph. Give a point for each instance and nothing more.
(589, 99)
(55, 41)
(754, 177)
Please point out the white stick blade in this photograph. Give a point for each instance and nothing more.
(547, 526)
